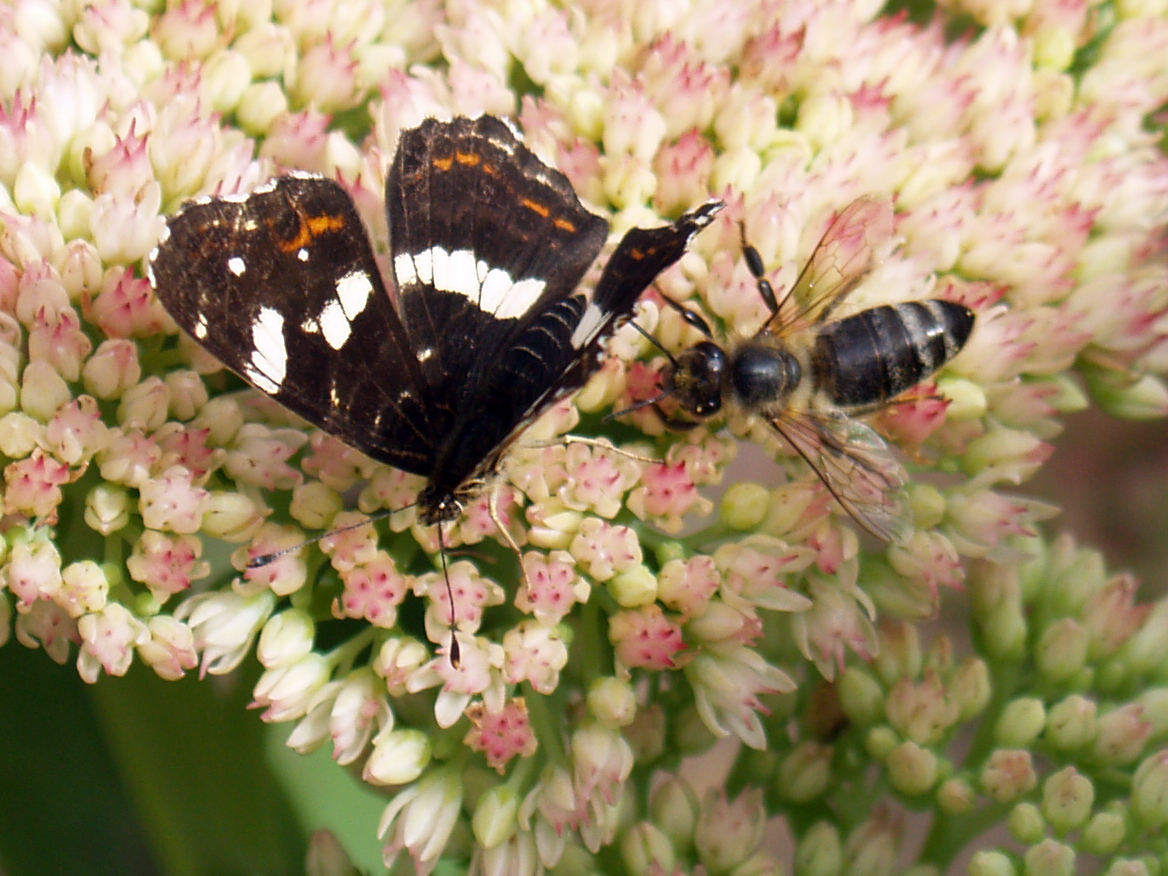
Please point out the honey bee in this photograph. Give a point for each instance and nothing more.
(809, 376)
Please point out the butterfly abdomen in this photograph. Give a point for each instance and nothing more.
(877, 354)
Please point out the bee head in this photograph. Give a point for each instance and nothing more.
(695, 379)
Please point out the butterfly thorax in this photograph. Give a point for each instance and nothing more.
(494, 409)
(468, 459)
(439, 504)
(763, 374)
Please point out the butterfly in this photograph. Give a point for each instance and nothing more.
(487, 327)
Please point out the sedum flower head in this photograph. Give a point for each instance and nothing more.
(649, 616)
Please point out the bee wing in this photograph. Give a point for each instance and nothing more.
(854, 464)
(842, 258)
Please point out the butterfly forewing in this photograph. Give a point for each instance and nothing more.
(556, 348)
(484, 237)
(283, 289)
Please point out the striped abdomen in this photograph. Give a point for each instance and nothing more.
(877, 354)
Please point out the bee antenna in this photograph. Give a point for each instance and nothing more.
(653, 340)
(660, 397)
(664, 394)
(264, 559)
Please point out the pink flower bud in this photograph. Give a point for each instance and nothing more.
(1008, 775)
(645, 638)
(820, 851)
(534, 653)
(108, 638)
(170, 650)
(646, 849)
(42, 391)
(912, 769)
(1067, 798)
(501, 735)
(551, 586)
(285, 691)
(1122, 735)
(804, 773)
(373, 591)
(112, 369)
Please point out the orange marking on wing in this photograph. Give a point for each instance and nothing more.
(311, 228)
(541, 209)
(318, 225)
(470, 159)
(442, 163)
(565, 225)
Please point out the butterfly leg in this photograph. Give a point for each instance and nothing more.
(493, 510)
(609, 447)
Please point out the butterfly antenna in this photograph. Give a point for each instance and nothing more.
(263, 559)
(455, 652)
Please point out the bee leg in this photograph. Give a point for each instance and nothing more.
(758, 271)
(919, 394)
(671, 422)
(691, 317)
(909, 397)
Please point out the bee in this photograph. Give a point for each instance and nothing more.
(808, 376)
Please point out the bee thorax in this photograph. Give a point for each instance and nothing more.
(764, 375)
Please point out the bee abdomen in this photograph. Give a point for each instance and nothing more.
(877, 354)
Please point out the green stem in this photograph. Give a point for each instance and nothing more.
(547, 729)
(951, 835)
(596, 660)
(345, 653)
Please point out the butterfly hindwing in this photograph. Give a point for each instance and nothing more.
(560, 345)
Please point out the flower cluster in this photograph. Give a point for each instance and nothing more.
(648, 616)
